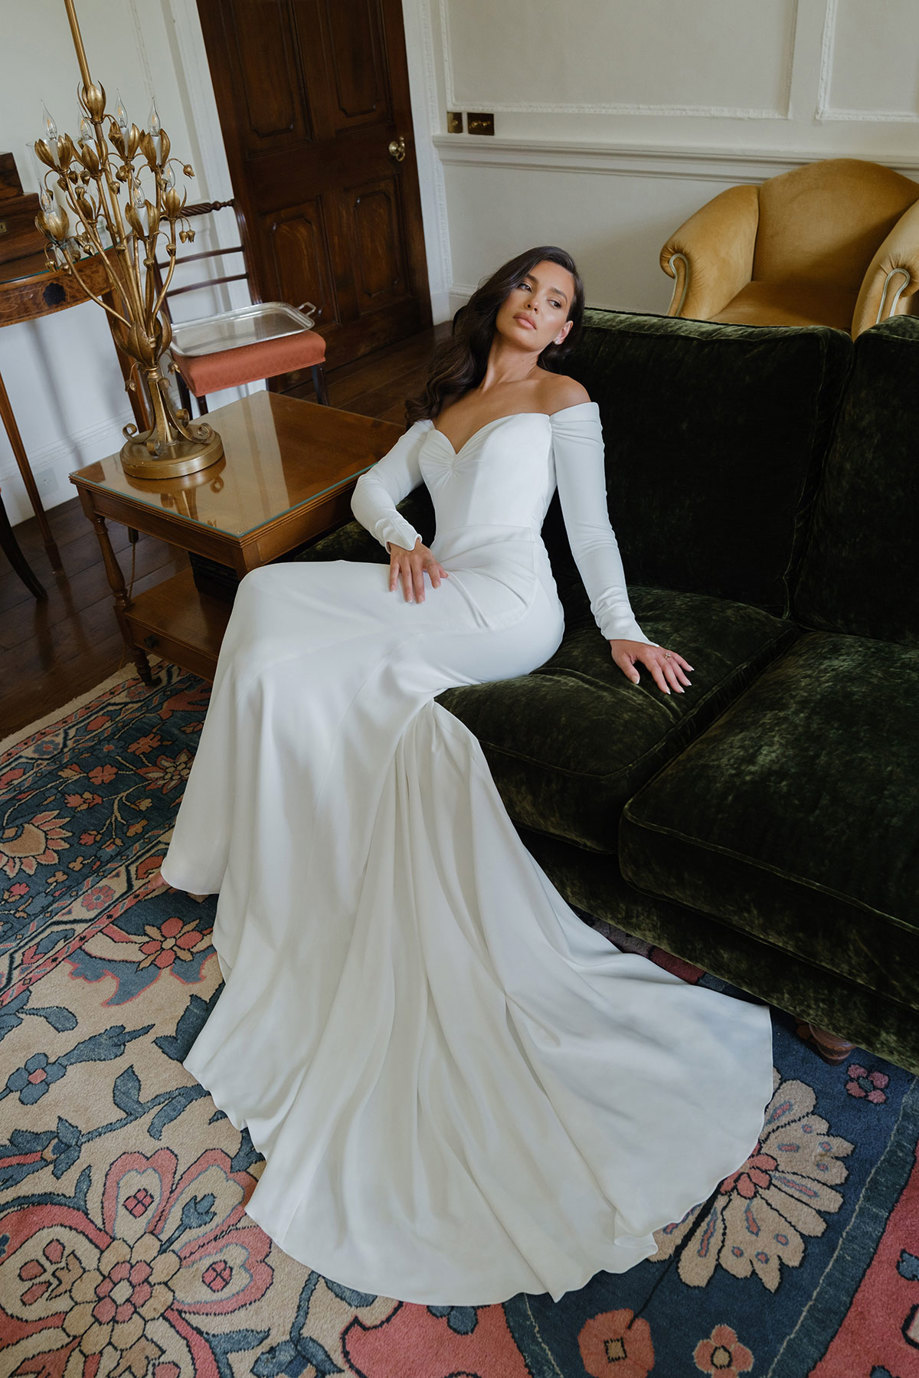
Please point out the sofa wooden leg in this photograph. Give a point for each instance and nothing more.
(830, 1047)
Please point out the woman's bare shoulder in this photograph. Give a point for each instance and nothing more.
(559, 391)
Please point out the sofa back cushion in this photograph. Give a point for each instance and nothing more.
(860, 573)
(714, 437)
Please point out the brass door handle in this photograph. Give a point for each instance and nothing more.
(396, 150)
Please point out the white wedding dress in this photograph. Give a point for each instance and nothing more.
(462, 1092)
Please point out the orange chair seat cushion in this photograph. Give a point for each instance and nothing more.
(207, 373)
(791, 303)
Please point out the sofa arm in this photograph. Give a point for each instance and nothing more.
(711, 254)
(892, 276)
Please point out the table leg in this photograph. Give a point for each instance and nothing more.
(10, 547)
(119, 589)
(22, 459)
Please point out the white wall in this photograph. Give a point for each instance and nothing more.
(616, 119)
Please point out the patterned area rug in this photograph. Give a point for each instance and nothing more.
(125, 1248)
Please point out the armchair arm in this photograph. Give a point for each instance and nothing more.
(711, 254)
(893, 274)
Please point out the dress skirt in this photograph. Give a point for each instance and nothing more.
(462, 1092)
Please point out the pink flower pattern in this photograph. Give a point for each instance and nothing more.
(867, 1085)
(137, 1284)
(722, 1355)
(171, 941)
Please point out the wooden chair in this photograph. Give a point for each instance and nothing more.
(225, 350)
(10, 547)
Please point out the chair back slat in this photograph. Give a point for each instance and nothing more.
(206, 253)
(191, 212)
(210, 282)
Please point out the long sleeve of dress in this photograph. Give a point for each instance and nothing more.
(577, 442)
(387, 483)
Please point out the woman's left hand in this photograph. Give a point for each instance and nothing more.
(668, 669)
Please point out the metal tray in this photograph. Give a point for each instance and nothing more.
(264, 320)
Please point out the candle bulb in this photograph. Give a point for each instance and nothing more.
(50, 126)
(121, 115)
(155, 131)
(87, 133)
(51, 134)
(40, 170)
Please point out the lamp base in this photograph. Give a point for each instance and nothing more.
(173, 461)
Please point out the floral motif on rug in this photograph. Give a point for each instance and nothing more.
(125, 1248)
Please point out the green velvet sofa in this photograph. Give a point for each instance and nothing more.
(764, 487)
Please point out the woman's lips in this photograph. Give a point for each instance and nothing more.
(527, 321)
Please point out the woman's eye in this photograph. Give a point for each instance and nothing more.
(556, 304)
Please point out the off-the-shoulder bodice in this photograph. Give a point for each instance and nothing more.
(504, 474)
(504, 477)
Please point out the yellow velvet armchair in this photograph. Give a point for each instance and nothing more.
(833, 243)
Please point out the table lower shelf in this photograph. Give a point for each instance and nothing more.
(178, 622)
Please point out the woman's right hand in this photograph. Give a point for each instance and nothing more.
(411, 566)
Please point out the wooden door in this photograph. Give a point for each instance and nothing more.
(311, 94)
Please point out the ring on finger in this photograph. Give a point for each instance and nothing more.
(667, 655)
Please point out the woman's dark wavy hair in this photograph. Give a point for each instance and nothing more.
(459, 363)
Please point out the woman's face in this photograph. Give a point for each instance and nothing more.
(535, 313)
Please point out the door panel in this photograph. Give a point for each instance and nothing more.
(310, 95)
(299, 253)
(268, 75)
(354, 49)
(378, 268)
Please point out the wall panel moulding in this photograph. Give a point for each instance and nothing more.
(868, 62)
(742, 51)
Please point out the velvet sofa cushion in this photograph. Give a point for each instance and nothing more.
(714, 437)
(569, 743)
(804, 988)
(860, 572)
(792, 817)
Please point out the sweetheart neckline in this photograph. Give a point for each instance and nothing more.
(493, 422)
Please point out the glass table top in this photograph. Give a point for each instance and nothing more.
(279, 453)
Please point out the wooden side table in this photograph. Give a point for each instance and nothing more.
(28, 290)
(288, 470)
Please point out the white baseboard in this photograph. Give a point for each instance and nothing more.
(51, 465)
(441, 309)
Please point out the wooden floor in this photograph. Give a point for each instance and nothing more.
(52, 651)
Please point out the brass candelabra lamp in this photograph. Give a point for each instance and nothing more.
(118, 185)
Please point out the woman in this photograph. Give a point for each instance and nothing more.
(461, 1091)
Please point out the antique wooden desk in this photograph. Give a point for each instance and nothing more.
(288, 470)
